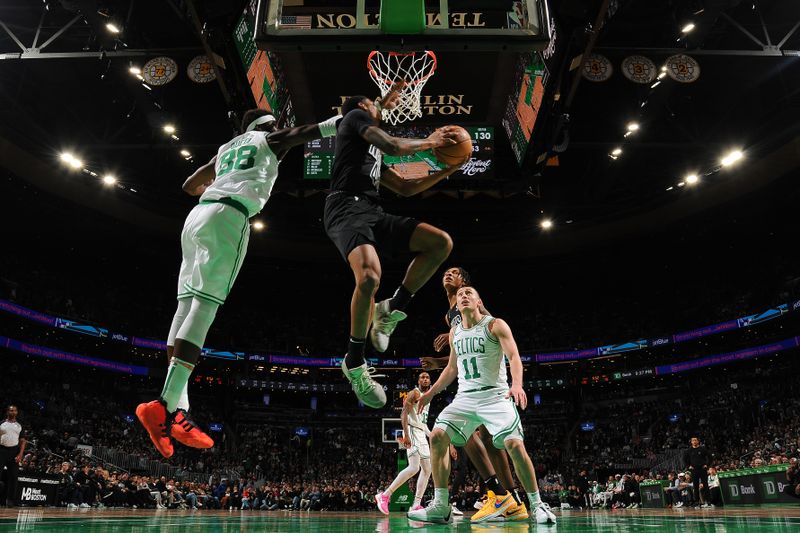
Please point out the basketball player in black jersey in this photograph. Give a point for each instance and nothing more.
(360, 229)
(490, 462)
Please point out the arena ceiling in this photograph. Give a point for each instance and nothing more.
(66, 85)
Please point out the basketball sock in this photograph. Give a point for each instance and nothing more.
(441, 497)
(493, 484)
(401, 299)
(177, 378)
(183, 400)
(534, 498)
(355, 353)
(516, 497)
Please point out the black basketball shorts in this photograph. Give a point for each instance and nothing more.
(352, 220)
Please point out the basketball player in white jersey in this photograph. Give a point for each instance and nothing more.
(491, 463)
(415, 440)
(478, 348)
(234, 186)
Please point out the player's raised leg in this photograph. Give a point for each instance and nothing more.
(432, 247)
(366, 268)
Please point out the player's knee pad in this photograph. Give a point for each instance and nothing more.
(197, 323)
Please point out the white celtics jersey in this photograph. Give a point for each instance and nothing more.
(246, 170)
(419, 420)
(481, 363)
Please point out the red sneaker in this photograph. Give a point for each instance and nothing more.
(184, 430)
(153, 416)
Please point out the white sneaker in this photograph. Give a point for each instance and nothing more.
(71, 506)
(455, 510)
(433, 513)
(84, 506)
(479, 504)
(384, 322)
(369, 391)
(544, 515)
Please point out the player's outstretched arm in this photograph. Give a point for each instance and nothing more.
(500, 329)
(411, 186)
(204, 176)
(281, 141)
(398, 146)
(408, 406)
(447, 376)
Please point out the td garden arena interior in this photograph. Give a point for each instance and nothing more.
(626, 211)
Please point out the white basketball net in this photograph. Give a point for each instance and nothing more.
(386, 68)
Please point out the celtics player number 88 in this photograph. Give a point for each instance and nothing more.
(240, 158)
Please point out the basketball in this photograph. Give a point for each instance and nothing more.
(454, 154)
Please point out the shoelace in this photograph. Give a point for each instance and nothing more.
(365, 381)
(388, 323)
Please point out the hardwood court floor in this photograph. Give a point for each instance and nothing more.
(728, 520)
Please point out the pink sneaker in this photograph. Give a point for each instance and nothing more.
(383, 502)
(417, 507)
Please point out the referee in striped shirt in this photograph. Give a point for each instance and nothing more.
(12, 448)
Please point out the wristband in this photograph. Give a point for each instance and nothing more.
(328, 127)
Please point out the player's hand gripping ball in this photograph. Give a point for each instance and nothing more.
(458, 153)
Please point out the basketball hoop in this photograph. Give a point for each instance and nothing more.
(414, 67)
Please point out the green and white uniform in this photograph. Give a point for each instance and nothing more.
(482, 389)
(418, 429)
(216, 232)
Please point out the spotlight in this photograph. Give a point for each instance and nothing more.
(108, 179)
(689, 27)
(628, 134)
(169, 128)
(662, 75)
(136, 71)
(66, 157)
(112, 28)
(691, 179)
(616, 151)
(185, 153)
(670, 188)
(664, 68)
(546, 223)
(681, 184)
(633, 126)
(731, 158)
(656, 84)
(258, 225)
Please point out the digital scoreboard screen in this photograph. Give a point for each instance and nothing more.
(318, 155)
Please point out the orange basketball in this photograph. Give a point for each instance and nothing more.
(454, 154)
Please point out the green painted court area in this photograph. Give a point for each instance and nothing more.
(773, 518)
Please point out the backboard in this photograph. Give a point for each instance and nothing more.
(329, 25)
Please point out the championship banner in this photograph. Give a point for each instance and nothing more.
(756, 486)
(40, 489)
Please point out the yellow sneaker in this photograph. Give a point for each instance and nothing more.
(494, 506)
(515, 512)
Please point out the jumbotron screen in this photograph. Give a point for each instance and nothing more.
(318, 155)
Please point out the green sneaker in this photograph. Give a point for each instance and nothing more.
(369, 391)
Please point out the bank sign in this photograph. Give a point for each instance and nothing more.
(756, 486)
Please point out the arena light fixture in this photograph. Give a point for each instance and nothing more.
(731, 157)
(546, 224)
(664, 68)
(186, 153)
(113, 28)
(670, 188)
(169, 128)
(662, 75)
(687, 28)
(691, 179)
(258, 225)
(656, 84)
(633, 126)
(71, 160)
(616, 151)
(66, 157)
(681, 184)
(146, 86)
(136, 71)
(108, 179)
